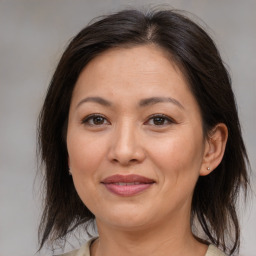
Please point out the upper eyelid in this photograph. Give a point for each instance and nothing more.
(148, 118)
(163, 116)
(84, 119)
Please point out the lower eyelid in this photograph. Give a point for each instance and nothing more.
(88, 118)
(159, 125)
(167, 118)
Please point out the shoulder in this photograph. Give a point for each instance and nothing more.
(83, 251)
(214, 251)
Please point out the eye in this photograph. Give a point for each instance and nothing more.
(95, 120)
(160, 120)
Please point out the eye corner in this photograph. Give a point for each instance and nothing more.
(95, 120)
(160, 120)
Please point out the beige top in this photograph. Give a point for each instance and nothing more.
(85, 250)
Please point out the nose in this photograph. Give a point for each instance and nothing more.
(126, 145)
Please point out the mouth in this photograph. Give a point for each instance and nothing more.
(127, 185)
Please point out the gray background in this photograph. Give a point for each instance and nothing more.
(33, 34)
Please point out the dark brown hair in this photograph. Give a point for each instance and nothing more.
(215, 195)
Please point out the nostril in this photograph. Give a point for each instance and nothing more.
(125, 162)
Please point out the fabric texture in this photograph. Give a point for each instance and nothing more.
(213, 251)
(85, 250)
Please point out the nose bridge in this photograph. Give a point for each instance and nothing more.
(126, 146)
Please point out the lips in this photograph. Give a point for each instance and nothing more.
(127, 185)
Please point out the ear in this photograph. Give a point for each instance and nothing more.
(215, 146)
(69, 169)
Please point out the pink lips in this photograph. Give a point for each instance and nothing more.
(127, 185)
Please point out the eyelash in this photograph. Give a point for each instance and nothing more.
(163, 117)
(92, 118)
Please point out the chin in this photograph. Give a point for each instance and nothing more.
(128, 225)
(126, 218)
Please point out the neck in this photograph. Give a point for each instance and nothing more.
(156, 240)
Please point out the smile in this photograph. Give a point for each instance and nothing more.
(127, 185)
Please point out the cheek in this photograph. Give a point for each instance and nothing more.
(178, 158)
(85, 153)
(177, 161)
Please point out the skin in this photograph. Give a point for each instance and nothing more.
(126, 139)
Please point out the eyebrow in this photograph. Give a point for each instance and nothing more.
(142, 103)
(99, 100)
(155, 100)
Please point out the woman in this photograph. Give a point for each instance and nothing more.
(139, 132)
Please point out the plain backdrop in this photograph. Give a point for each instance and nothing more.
(33, 34)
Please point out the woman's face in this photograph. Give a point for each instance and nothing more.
(134, 139)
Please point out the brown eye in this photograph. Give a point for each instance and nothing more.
(160, 120)
(95, 120)
(98, 120)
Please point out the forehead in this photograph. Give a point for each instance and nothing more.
(144, 58)
(119, 68)
(126, 76)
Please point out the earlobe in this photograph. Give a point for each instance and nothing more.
(215, 146)
(69, 170)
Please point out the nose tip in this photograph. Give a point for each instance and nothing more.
(125, 158)
(126, 148)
